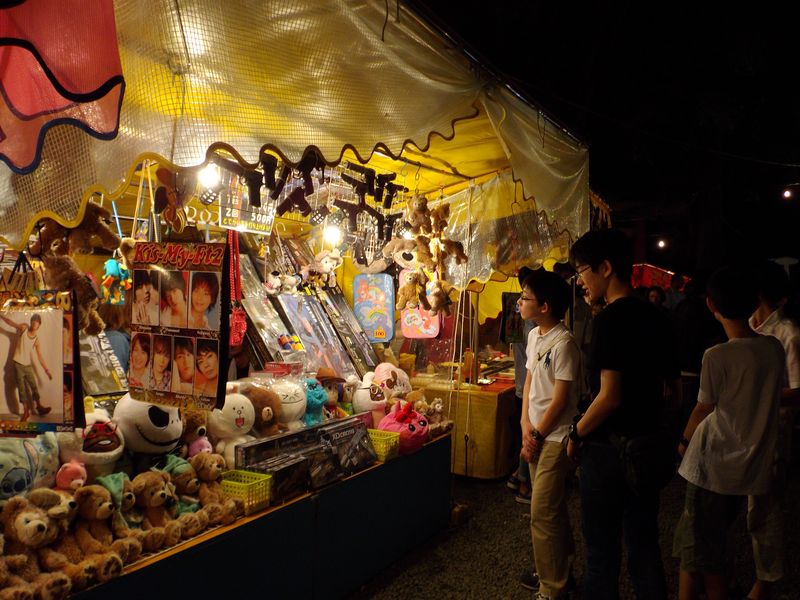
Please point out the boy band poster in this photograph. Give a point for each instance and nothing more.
(40, 378)
(179, 339)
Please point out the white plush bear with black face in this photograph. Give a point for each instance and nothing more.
(148, 428)
(231, 425)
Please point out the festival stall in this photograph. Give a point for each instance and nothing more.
(281, 220)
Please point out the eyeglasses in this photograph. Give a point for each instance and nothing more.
(581, 271)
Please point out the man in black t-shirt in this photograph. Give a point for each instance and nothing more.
(632, 356)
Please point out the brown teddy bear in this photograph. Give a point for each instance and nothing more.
(412, 293)
(195, 426)
(51, 237)
(425, 255)
(209, 468)
(151, 491)
(127, 519)
(13, 587)
(439, 218)
(419, 217)
(268, 408)
(27, 528)
(440, 298)
(94, 231)
(93, 528)
(456, 250)
(183, 503)
(63, 273)
(65, 554)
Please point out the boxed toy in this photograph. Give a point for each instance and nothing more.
(290, 477)
(351, 443)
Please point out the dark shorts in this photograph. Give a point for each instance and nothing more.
(701, 537)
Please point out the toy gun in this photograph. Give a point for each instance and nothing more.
(369, 176)
(281, 182)
(310, 161)
(391, 191)
(380, 183)
(252, 178)
(269, 163)
(388, 225)
(295, 201)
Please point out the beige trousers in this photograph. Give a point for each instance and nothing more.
(553, 545)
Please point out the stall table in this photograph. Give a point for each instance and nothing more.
(320, 545)
(484, 425)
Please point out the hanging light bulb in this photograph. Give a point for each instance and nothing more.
(332, 235)
(209, 176)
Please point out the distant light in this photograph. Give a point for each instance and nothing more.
(407, 235)
(332, 235)
(787, 194)
(662, 244)
(209, 176)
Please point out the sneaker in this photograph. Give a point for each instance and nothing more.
(529, 580)
(522, 498)
(513, 482)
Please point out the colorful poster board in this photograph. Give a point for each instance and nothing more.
(373, 305)
(179, 338)
(38, 351)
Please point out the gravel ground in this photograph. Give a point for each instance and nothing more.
(484, 556)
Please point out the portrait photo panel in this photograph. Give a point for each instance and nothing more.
(174, 295)
(207, 368)
(204, 301)
(139, 361)
(146, 298)
(183, 365)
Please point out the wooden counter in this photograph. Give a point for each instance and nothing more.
(320, 545)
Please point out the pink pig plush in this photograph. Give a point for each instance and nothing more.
(412, 427)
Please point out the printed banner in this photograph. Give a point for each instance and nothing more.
(38, 347)
(179, 324)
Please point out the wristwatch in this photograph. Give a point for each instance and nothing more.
(537, 435)
(573, 434)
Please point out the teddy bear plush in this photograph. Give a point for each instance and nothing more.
(195, 428)
(231, 425)
(94, 231)
(267, 405)
(65, 554)
(419, 216)
(425, 254)
(127, 519)
(61, 272)
(456, 250)
(439, 218)
(151, 491)
(412, 293)
(52, 236)
(12, 586)
(186, 486)
(439, 297)
(209, 468)
(93, 528)
(27, 528)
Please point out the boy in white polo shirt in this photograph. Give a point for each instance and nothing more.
(729, 441)
(551, 390)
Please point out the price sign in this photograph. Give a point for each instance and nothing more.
(236, 212)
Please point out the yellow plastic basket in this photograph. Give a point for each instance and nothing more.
(252, 488)
(386, 443)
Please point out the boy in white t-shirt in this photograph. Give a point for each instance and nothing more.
(551, 392)
(729, 441)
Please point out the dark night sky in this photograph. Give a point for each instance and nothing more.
(683, 111)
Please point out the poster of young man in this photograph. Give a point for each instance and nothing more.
(37, 343)
(175, 358)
